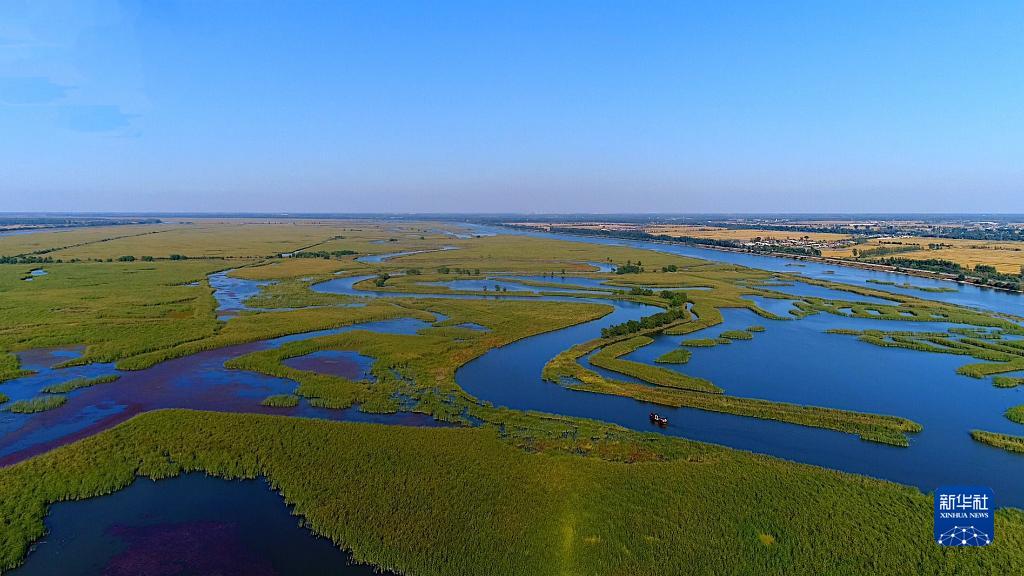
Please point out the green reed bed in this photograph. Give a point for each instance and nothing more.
(295, 293)
(704, 342)
(322, 390)
(77, 383)
(281, 401)
(609, 358)
(515, 511)
(422, 366)
(977, 333)
(677, 356)
(1007, 442)
(1016, 414)
(253, 327)
(989, 368)
(736, 335)
(1007, 382)
(10, 367)
(907, 309)
(873, 427)
(707, 315)
(37, 404)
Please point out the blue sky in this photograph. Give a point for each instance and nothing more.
(512, 106)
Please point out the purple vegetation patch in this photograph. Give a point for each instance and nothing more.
(344, 363)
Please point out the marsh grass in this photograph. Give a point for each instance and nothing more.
(704, 342)
(281, 401)
(404, 498)
(608, 357)
(1007, 442)
(77, 383)
(1016, 414)
(677, 356)
(10, 367)
(1007, 382)
(872, 427)
(37, 404)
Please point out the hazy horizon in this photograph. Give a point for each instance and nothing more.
(1005, 216)
(523, 107)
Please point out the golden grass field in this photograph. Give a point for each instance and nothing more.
(217, 238)
(741, 235)
(1005, 256)
(695, 231)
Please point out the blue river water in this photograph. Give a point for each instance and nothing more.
(378, 258)
(792, 361)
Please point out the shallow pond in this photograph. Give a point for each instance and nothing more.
(33, 274)
(231, 293)
(191, 524)
(344, 363)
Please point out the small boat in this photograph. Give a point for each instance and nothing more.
(659, 420)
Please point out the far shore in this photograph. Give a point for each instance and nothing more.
(818, 259)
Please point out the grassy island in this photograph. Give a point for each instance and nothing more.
(37, 404)
(79, 383)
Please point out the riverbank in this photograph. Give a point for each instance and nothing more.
(788, 256)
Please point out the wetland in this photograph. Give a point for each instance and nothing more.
(524, 342)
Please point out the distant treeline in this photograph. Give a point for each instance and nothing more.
(734, 244)
(645, 323)
(885, 250)
(26, 260)
(30, 259)
(1002, 232)
(984, 273)
(324, 254)
(22, 222)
